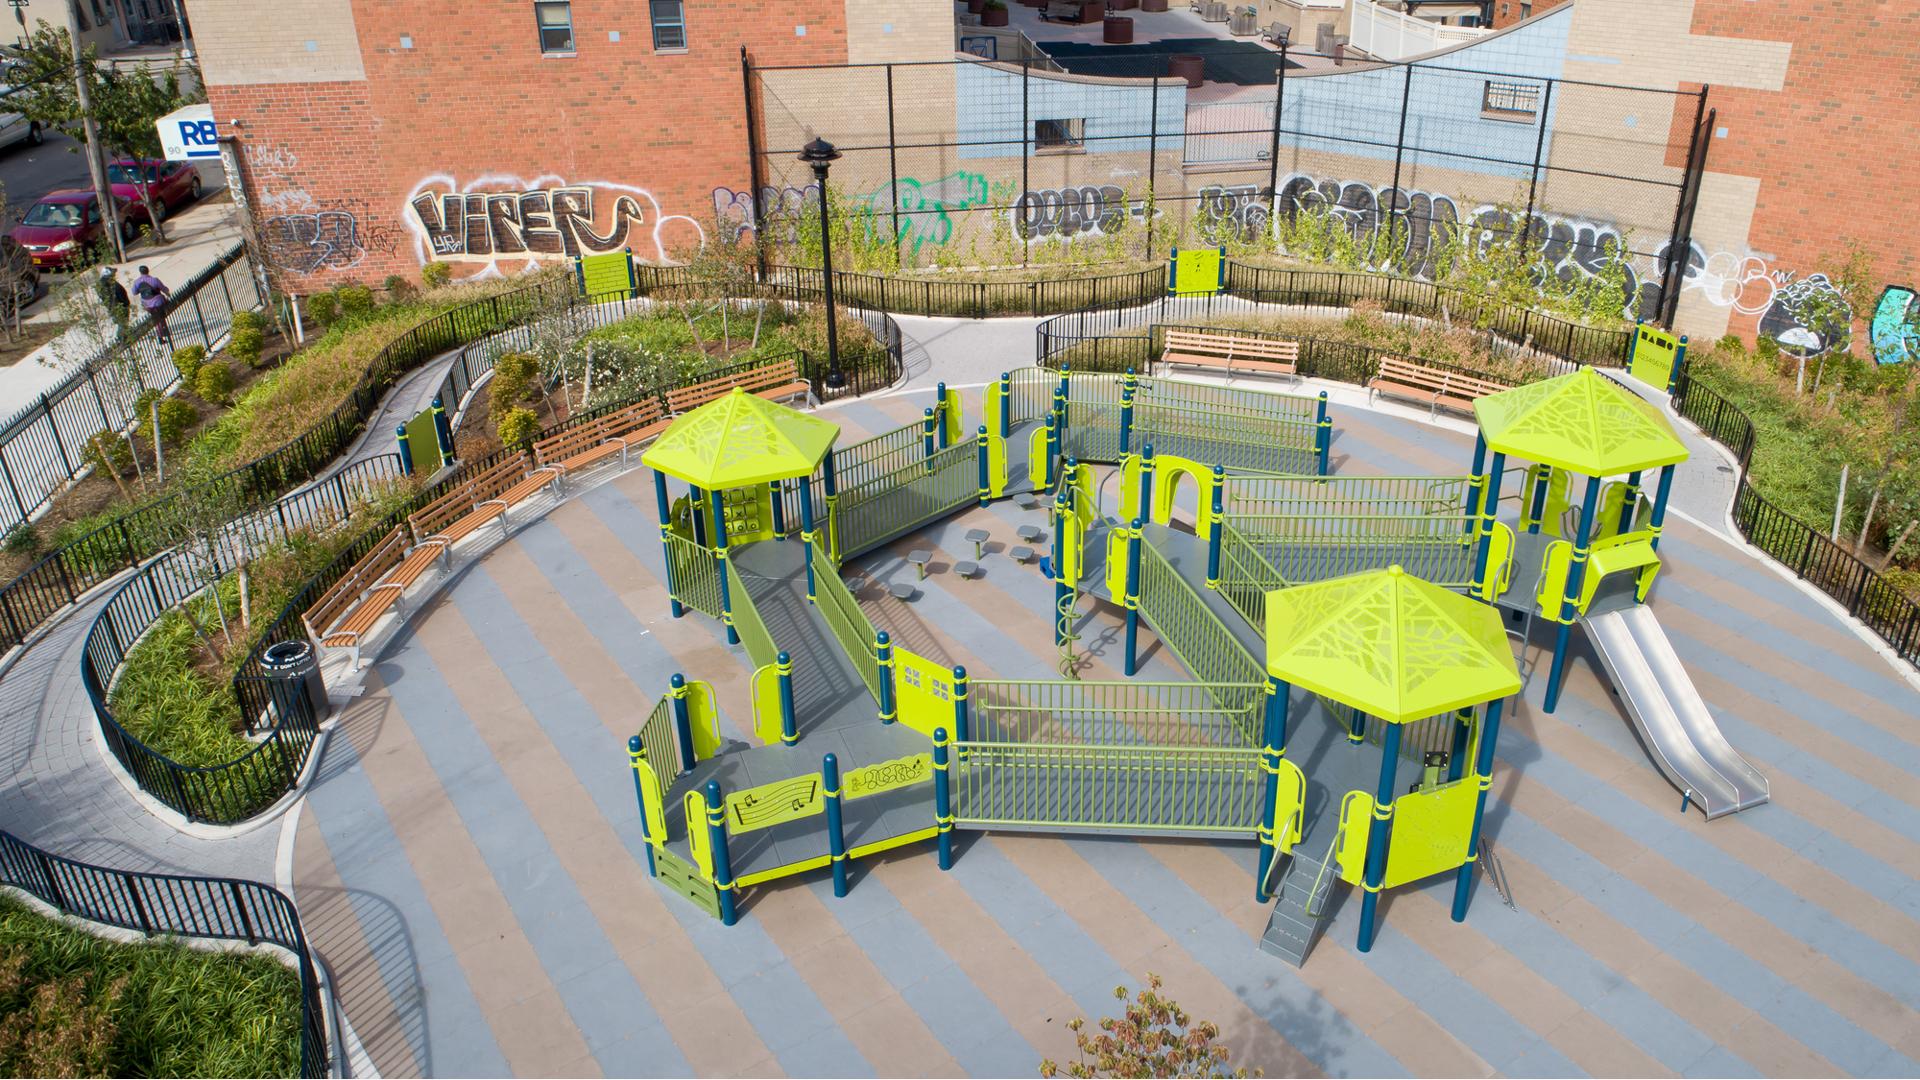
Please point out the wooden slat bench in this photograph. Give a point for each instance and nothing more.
(1436, 387)
(617, 432)
(343, 614)
(1231, 353)
(778, 381)
(457, 514)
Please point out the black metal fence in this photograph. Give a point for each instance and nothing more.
(43, 446)
(1881, 605)
(218, 909)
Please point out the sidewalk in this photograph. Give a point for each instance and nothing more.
(196, 238)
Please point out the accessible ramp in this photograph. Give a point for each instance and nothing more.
(1669, 714)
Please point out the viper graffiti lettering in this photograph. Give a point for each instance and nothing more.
(503, 219)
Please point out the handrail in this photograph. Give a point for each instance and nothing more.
(1315, 903)
(220, 909)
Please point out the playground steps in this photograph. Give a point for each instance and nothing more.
(680, 878)
(1291, 930)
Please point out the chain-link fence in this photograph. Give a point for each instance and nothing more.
(1383, 166)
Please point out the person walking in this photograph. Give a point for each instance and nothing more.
(113, 296)
(154, 297)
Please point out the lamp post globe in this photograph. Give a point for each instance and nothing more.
(820, 155)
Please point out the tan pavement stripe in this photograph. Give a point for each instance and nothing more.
(334, 929)
(508, 982)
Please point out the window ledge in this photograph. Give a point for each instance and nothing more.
(1505, 117)
(681, 51)
(566, 55)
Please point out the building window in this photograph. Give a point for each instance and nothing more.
(1510, 101)
(669, 24)
(556, 25)
(1526, 9)
(1059, 134)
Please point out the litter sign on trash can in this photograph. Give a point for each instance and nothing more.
(293, 680)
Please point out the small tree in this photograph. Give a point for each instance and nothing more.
(199, 521)
(1153, 1037)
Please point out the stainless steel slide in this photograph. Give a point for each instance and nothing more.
(1671, 717)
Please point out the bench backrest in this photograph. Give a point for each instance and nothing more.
(1438, 379)
(374, 565)
(585, 436)
(1228, 345)
(464, 496)
(752, 380)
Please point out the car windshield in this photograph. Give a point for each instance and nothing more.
(132, 174)
(60, 214)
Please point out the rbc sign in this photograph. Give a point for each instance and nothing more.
(189, 134)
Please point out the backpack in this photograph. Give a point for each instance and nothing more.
(145, 289)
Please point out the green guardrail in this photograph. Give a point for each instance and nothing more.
(905, 499)
(1115, 713)
(1195, 634)
(695, 574)
(1133, 789)
(849, 624)
(747, 621)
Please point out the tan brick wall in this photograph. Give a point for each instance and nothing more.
(892, 30)
(249, 42)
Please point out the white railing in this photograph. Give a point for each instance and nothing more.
(1385, 34)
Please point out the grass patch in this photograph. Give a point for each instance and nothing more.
(72, 1004)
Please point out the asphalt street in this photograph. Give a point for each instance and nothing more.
(28, 172)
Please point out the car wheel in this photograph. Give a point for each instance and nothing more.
(159, 211)
(34, 136)
(195, 191)
(129, 231)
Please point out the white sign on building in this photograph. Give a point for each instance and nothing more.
(189, 134)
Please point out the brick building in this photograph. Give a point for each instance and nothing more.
(375, 135)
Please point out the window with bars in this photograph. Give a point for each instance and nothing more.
(1510, 100)
(669, 24)
(1059, 134)
(555, 19)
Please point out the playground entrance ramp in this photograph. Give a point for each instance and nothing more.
(1668, 712)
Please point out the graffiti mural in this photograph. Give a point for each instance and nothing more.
(733, 210)
(1070, 212)
(926, 208)
(1808, 317)
(1895, 329)
(505, 219)
(1241, 208)
(305, 243)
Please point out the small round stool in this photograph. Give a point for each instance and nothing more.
(1117, 30)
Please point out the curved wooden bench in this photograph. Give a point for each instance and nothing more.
(344, 613)
(617, 432)
(1436, 387)
(778, 381)
(1228, 352)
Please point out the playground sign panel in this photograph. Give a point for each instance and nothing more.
(887, 775)
(1197, 271)
(602, 274)
(1654, 351)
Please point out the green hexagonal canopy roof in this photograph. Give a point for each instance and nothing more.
(740, 440)
(1389, 644)
(1583, 422)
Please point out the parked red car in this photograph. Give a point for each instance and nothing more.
(63, 229)
(170, 184)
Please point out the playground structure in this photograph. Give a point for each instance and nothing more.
(1358, 625)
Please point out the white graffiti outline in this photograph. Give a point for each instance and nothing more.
(444, 184)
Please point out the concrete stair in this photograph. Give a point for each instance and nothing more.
(1292, 928)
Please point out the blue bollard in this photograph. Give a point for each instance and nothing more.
(783, 670)
(942, 799)
(883, 657)
(836, 833)
(635, 755)
(722, 865)
(682, 722)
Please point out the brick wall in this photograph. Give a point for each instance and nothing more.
(616, 145)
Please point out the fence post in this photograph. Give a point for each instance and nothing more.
(1132, 600)
(46, 410)
(789, 726)
(722, 865)
(682, 721)
(960, 686)
(240, 908)
(942, 799)
(1214, 533)
(636, 753)
(927, 424)
(1679, 361)
(986, 489)
(940, 410)
(1145, 506)
(1127, 386)
(13, 489)
(836, 833)
(406, 452)
(56, 896)
(442, 432)
(883, 659)
(201, 317)
(1323, 432)
(139, 905)
(1006, 404)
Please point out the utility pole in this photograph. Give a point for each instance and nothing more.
(82, 88)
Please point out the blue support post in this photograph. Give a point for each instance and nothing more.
(1660, 504)
(682, 721)
(883, 657)
(635, 755)
(1679, 362)
(720, 552)
(697, 513)
(406, 452)
(828, 477)
(942, 798)
(1457, 753)
(806, 533)
(1146, 482)
(986, 489)
(1128, 386)
(1062, 510)
(1322, 433)
(961, 720)
(789, 725)
(1047, 467)
(1133, 598)
(1483, 774)
(1379, 834)
(722, 865)
(836, 833)
(777, 492)
(1006, 405)
(1273, 749)
(1629, 503)
(666, 541)
(1478, 485)
(927, 424)
(1213, 533)
(442, 432)
(1542, 484)
(1576, 577)
(1489, 508)
(1060, 403)
(940, 412)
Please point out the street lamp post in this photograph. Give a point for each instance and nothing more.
(820, 154)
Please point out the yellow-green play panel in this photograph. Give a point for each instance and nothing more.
(1583, 422)
(741, 439)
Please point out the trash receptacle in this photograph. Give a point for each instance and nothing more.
(293, 679)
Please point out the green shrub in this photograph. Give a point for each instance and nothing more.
(214, 383)
(324, 309)
(107, 452)
(187, 362)
(436, 274)
(518, 427)
(356, 301)
(399, 289)
(249, 320)
(176, 417)
(24, 540)
(246, 345)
